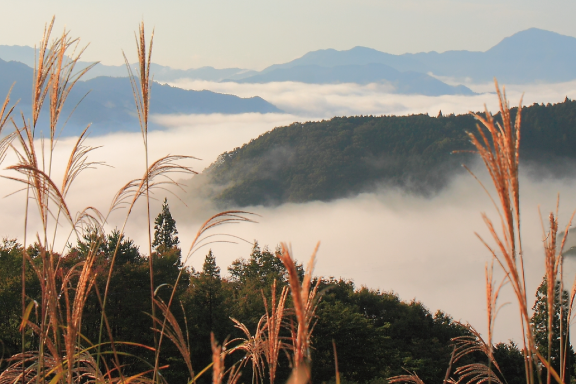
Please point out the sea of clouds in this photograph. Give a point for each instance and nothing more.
(423, 248)
(328, 100)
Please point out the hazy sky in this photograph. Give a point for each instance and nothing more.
(257, 33)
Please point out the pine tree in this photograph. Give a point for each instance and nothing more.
(206, 307)
(210, 269)
(209, 287)
(165, 232)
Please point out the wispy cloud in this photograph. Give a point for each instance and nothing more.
(328, 100)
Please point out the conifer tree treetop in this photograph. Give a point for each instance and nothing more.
(165, 232)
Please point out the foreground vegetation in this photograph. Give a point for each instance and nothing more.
(376, 334)
(102, 311)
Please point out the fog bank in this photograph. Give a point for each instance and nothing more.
(328, 100)
(422, 248)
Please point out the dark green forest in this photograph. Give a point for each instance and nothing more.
(344, 156)
(377, 335)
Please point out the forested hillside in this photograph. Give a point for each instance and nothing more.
(348, 155)
(377, 335)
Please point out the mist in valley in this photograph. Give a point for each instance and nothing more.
(422, 248)
(324, 101)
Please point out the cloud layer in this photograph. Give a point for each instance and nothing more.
(328, 100)
(422, 248)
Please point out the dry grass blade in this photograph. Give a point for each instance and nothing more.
(25, 369)
(63, 295)
(221, 218)
(82, 287)
(42, 67)
(472, 343)
(477, 373)
(234, 374)
(553, 270)
(217, 361)
(174, 333)
(44, 190)
(412, 378)
(500, 152)
(274, 318)
(492, 307)
(158, 175)
(304, 303)
(89, 218)
(78, 162)
(300, 375)
(337, 371)
(63, 78)
(5, 114)
(552, 263)
(142, 83)
(141, 92)
(252, 346)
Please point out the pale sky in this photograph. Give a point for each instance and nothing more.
(257, 33)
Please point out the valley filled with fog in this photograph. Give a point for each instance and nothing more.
(423, 248)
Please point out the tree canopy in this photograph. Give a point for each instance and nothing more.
(165, 232)
(344, 156)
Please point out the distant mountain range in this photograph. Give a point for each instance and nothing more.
(529, 56)
(408, 82)
(25, 55)
(400, 81)
(533, 55)
(109, 104)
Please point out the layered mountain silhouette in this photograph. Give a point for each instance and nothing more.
(533, 55)
(108, 103)
(162, 73)
(529, 56)
(408, 82)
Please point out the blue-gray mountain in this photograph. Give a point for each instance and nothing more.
(409, 82)
(24, 54)
(533, 55)
(109, 104)
(528, 56)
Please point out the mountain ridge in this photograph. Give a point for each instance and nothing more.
(107, 102)
(346, 156)
(527, 56)
(407, 82)
(531, 55)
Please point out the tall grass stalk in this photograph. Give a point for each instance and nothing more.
(56, 69)
(305, 304)
(60, 357)
(60, 315)
(498, 144)
(274, 319)
(500, 154)
(266, 343)
(141, 88)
